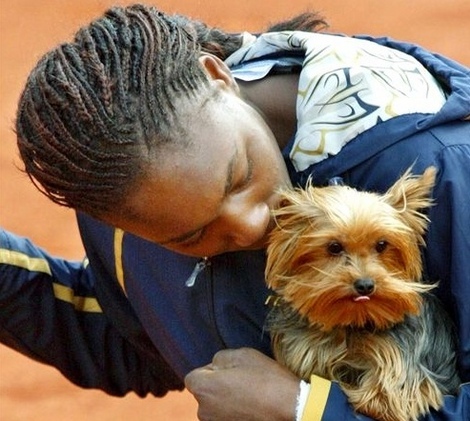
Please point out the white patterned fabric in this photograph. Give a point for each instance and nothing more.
(346, 86)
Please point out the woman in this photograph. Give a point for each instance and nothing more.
(171, 139)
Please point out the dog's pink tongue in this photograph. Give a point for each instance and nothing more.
(361, 298)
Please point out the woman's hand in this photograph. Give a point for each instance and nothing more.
(244, 384)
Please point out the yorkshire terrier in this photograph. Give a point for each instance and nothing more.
(351, 305)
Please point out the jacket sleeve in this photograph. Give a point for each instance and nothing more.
(327, 402)
(49, 312)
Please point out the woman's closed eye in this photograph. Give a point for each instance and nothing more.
(246, 179)
(194, 240)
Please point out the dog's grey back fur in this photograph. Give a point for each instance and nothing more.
(434, 343)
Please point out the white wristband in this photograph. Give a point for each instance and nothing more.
(304, 391)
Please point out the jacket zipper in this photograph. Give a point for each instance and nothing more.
(200, 266)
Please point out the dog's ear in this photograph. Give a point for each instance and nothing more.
(294, 217)
(289, 203)
(296, 206)
(411, 194)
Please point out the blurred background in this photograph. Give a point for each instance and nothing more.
(30, 391)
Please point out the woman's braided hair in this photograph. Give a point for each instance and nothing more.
(93, 107)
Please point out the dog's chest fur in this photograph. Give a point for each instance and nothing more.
(351, 355)
(338, 355)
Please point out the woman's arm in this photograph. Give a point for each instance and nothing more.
(245, 384)
(49, 312)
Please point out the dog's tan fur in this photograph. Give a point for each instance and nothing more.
(325, 240)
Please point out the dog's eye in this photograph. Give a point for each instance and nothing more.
(335, 248)
(381, 246)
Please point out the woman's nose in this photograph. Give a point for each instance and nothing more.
(247, 225)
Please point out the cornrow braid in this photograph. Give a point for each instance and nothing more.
(93, 107)
(211, 40)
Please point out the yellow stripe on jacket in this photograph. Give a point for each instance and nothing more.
(61, 292)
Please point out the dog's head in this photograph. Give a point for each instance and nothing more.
(345, 257)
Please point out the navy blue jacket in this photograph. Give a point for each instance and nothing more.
(124, 320)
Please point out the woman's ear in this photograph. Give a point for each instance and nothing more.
(218, 71)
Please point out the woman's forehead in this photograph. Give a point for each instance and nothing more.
(182, 190)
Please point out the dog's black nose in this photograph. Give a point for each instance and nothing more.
(364, 286)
